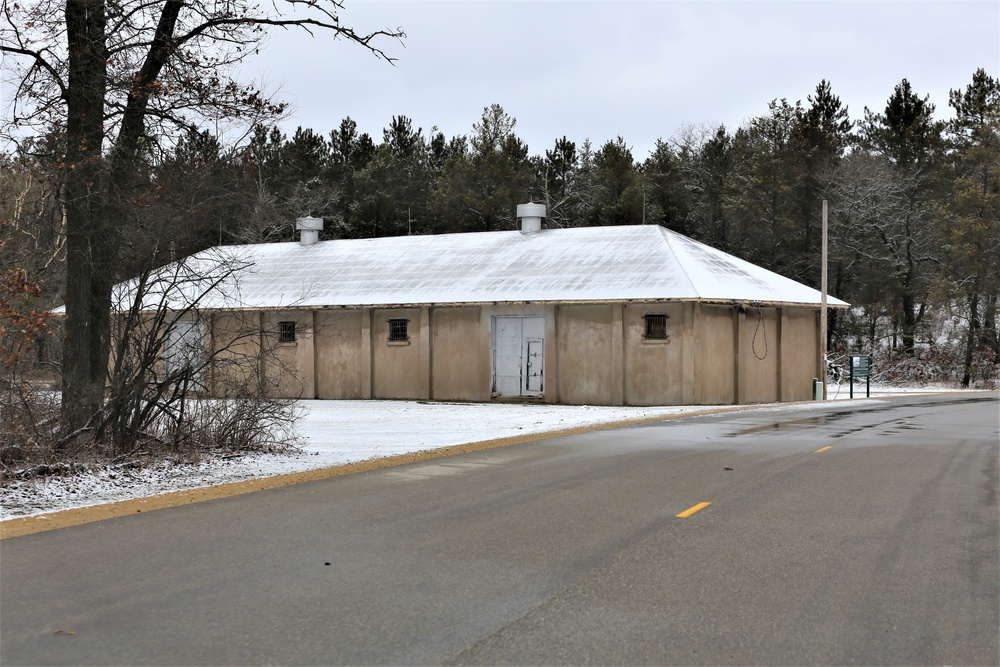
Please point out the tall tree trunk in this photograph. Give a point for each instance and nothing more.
(99, 196)
(87, 323)
(833, 323)
(989, 335)
(973, 338)
(909, 324)
(872, 330)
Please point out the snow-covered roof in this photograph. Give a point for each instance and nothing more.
(583, 265)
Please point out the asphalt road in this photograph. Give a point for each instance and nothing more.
(864, 534)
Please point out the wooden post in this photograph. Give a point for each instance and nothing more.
(822, 318)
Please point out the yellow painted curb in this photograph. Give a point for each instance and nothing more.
(81, 515)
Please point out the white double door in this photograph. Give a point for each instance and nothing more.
(518, 356)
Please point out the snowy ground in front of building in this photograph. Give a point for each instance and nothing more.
(338, 432)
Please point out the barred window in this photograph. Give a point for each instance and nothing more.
(286, 331)
(398, 330)
(656, 326)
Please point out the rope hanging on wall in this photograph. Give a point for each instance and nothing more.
(761, 328)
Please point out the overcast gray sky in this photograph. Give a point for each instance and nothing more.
(642, 70)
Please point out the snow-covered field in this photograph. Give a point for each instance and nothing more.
(335, 433)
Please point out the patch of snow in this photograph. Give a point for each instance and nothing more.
(332, 433)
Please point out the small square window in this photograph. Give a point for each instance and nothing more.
(656, 326)
(286, 331)
(398, 330)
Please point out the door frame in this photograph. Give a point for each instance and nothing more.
(536, 336)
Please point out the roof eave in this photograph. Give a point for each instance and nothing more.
(526, 302)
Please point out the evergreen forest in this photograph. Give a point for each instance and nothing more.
(913, 192)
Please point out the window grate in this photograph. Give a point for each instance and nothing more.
(656, 326)
(399, 330)
(286, 331)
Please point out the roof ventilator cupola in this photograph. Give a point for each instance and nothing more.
(309, 229)
(531, 217)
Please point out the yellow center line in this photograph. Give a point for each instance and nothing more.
(691, 510)
(822, 449)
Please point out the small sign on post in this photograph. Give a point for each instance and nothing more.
(861, 366)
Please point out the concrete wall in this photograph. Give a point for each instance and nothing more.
(714, 352)
(397, 366)
(235, 338)
(585, 339)
(799, 353)
(655, 369)
(458, 358)
(250, 358)
(289, 366)
(594, 354)
(759, 354)
(343, 368)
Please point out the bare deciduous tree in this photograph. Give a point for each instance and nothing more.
(115, 79)
(879, 221)
(171, 342)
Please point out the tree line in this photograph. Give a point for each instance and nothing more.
(914, 201)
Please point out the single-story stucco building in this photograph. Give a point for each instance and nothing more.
(631, 315)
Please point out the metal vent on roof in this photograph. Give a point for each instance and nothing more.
(309, 229)
(531, 217)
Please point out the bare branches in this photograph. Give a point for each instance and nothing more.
(309, 25)
(32, 63)
(169, 350)
(40, 61)
(172, 59)
(128, 75)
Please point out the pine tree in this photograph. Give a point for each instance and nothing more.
(618, 185)
(479, 189)
(969, 217)
(908, 138)
(558, 174)
(666, 197)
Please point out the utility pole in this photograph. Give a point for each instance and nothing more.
(822, 314)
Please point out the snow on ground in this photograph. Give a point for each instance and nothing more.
(339, 432)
